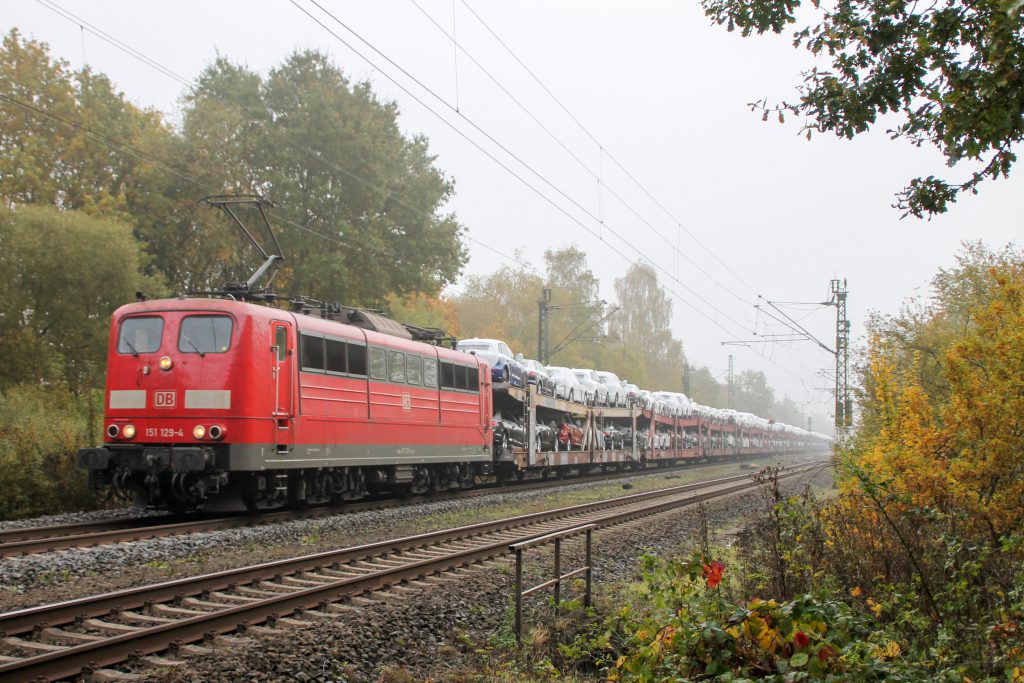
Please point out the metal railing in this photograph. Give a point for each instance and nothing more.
(557, 537)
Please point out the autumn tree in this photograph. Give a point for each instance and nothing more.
(578, 320)
(360, 203)
(644, 325)
(62, 273)
(45, 157)
(948, 74)
(931, 482)
(432, 312)
(751, 393)
(502, 305)
(705, 388)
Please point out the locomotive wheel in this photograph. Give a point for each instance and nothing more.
(420, 484)
(466, 478)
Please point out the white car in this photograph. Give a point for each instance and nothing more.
(675, 407)
(566, 385)
(613, 385)
(598, 391)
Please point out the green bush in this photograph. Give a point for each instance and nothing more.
(678, 624)
(41, 427)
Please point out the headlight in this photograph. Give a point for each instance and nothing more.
(166, 363)
(128, 431)
(113, 431)
(216, 432)
(198, 432)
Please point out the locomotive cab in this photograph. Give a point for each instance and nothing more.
(176, 398)
(234, 405)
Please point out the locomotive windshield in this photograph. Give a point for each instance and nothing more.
(204, 334)
(140, 335)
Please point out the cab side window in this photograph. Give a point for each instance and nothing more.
(356, 359)
(378, 363)
(396, 366)
(311, 353)
(429, 372)
(414, 369)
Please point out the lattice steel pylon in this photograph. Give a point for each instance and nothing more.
(544, 305)
(844, 405)
(732, 386)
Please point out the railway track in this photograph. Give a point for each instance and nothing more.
(32, 540)
(61, 640)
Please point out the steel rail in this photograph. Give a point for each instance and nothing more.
(72, 659)
(33, 540)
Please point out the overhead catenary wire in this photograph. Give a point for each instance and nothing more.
(604, 149)
(112, 40)
(150, 159)
(596, 175)
(628, 173)
(504, 148)
(516, 157)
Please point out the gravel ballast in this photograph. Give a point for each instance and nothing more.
(30, 580)
(437, 632)
(441, 632)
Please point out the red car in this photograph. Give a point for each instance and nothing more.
(570, 437)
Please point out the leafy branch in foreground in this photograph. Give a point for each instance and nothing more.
(950, 71)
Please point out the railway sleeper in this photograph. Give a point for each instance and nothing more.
(278, 588)
(159, 662)
(137, 618)
(114, 676)
(303, 582)
(60, 636)
(176, 612)
(228, 599)
(29, 647)
(110, 628)
(258, 593)
(205, 605)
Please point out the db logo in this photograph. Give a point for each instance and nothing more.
(406, 402)
(163, 399)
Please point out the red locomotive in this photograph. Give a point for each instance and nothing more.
(220, 399)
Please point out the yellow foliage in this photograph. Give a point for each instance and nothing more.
(891, 650)
(955, 451)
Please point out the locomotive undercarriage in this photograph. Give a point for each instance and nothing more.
(303, 487)
(188, 479)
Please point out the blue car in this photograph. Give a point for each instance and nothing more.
(504, 366)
